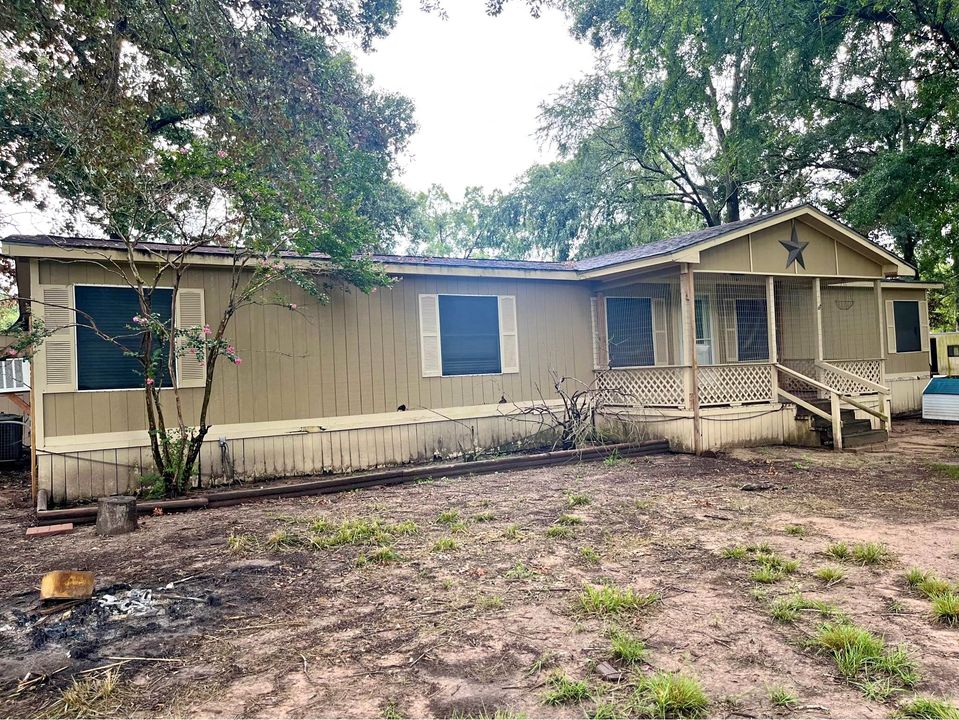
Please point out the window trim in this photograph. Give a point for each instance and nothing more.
(439, 333)
(652, 327)
(76, 348)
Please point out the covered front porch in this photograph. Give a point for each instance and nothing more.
(679, 344)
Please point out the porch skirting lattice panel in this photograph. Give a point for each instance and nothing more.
(736, 384)
(649, 387)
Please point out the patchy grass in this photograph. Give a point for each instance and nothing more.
(947, 469)
(490, 602)
(91, 695)
(830, 574)
(670, 695)
(359, 531)
(789, 609)
(611, 600)
(484, 517)
(382, 555)
(928, 708)
(445, 544)
(563, 690)
(870, 553)
(782, 698)
(795, 530)
(945, 608)
(559, 531)
(863, 657)
(544, 661)
(391, 711)
(589, 555)
(577, 499)
(242, 543)
(838, 551)
(521, 571)
(449, 517)
(511, 532)
(614, 459)
(927, 583)
(735, 552)
(627, 648)
(281, 540)
(772, 568)
(569, 520)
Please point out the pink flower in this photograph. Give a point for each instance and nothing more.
(137, 318)
(149, 381)
(206, 330)
(237, 361)
(183, 150)
(221, 154)
(292, 306)
(230, 349)
(11, 352)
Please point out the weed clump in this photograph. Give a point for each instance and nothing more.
(670, 695)
(564, 690)
(864, 659)
(611, 600)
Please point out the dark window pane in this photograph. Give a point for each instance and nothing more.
(952, 350)
(908, 338)
(469, 334)
(629, 332)
(101, 364)
(751, 329)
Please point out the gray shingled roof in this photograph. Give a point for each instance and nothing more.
(639, 252)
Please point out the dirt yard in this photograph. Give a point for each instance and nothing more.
(294, 608)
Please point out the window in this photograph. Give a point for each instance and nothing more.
(469, 334)
(101, 364)
(629, 331)
(752, 334)
(908, 334)
(952, 350)
(704, 336)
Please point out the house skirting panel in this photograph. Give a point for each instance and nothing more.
(721, 427)
(79, 467)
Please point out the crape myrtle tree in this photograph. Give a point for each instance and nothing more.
(174, 126)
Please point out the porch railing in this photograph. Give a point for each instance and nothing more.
(852, 377)
(736, 384)
(661, 386)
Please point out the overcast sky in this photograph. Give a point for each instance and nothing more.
(477, 82)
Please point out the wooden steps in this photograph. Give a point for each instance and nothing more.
(855, 433)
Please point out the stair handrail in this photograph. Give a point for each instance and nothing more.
(826, 365)
(835, 411)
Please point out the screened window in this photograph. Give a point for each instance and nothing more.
(101, 363)
(908, 333)
(629, 331)
(751, 330)
(469, 334)
(704, 335)
(952, 350)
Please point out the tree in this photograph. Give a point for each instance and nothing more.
(203, 123)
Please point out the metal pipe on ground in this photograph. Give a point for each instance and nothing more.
(393, 476)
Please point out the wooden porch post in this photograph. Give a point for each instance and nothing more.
(886, 400)
(688, 308)
(771, 328)
(817, 301)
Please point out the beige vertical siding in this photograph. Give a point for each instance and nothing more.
(358, 354)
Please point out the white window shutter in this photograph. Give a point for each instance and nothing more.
(430, 352)
(508, 335)
(730, 332)
(190, 313)
(59, 348)
(890, 326)
(660, 336)
(924, 325)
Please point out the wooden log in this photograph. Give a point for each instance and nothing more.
(116, 515)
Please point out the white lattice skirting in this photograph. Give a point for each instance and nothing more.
(870, 370)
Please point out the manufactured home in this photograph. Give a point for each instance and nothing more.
(785, 328)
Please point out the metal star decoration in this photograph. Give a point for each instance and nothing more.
(795, 249)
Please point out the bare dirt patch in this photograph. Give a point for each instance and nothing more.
(298, 628)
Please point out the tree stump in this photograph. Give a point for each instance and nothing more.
(116, 515)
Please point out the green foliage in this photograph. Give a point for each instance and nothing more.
(562, 690)
(945, 608)
(446, 544)
(862, 656)
(783, 698)
(577, 499)
(789, 609)
(242, 544)
(838, 551)
(358, 531)
(627, 648)
(927, 583)
(569, 520)
(871, 553)
(611, 600)
(589, 555)
(927, 708)
(830, 575)
(736, 552)
(449, 517)
(557, 532)
(670, 695)
(378, 556)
